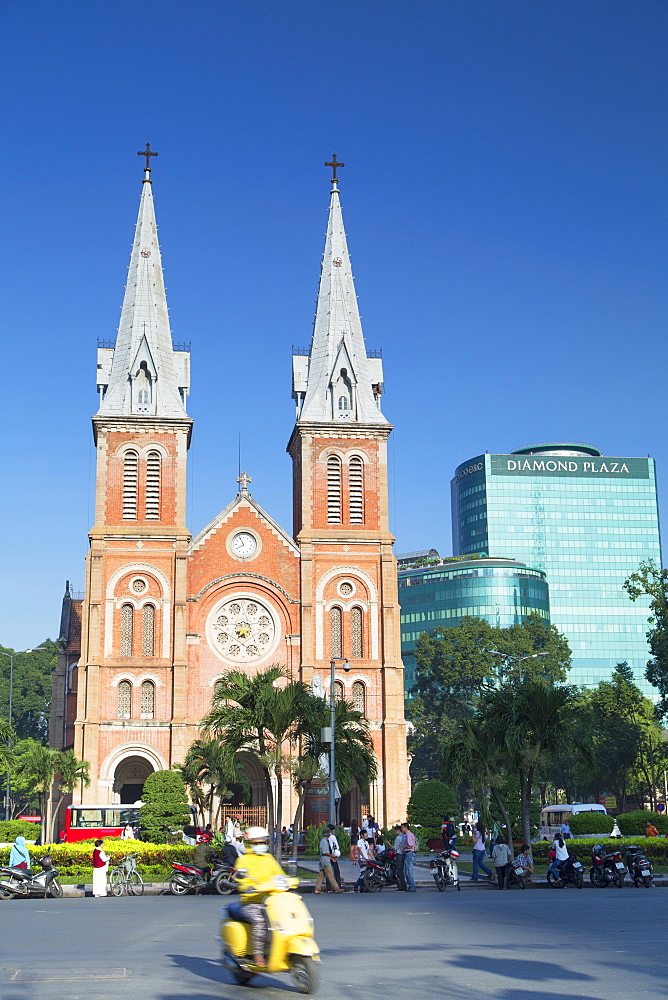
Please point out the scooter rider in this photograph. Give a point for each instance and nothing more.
(202, 855)
(255, 867)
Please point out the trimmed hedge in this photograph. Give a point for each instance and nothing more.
(12, 828)
(656, 848)
(591, 822)
(632, 824)
(70, 858)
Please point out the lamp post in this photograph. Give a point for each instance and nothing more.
(518, 659)
(11, 656)
(332, 752)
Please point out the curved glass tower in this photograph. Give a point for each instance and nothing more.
(502, 591)
(584, 519)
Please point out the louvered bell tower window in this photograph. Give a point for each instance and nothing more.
(356, 644)
(338, 691)
(124, 700)
(147, 629)
(333, 490)
(356, 489)
(153, 470)
(359, 697)
(127, 627)
(130, 472)
(336, 632)
(147, 706)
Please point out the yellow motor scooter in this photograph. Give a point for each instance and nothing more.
(290, 945)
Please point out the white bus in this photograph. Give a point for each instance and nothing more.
(551, 817)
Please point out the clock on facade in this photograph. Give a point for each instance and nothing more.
(244, 545)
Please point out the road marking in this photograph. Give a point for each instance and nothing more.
(67, 975)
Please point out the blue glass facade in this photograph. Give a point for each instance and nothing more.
(584, 519)
(500, 590)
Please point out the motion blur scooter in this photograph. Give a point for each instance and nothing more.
(29, 882)
(290, 945)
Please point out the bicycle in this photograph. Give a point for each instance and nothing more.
(125, 877)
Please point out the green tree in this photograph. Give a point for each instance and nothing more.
(208, 763)
(70, 772)
(166, 810)
(38, 765)
(31, 690)
(430, 801)
(650, 581)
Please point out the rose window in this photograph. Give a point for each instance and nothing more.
(242, 630)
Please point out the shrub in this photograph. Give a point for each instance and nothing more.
(632, 824)
(314, 833)
(430, 802)
(591, 822)
(166, 810)
(13, 828)
(656, 848)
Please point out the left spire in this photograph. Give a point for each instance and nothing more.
(142, 374)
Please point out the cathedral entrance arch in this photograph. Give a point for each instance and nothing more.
(126, 769)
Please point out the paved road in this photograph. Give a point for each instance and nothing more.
(549, 945)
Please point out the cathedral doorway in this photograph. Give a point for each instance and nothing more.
(129, 778)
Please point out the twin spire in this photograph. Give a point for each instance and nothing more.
(142, 374)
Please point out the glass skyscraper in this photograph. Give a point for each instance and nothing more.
(584, 519)
(502, 591)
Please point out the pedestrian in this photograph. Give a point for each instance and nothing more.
(363, 856)
(565, 830)
(399, 844)
(336, 853)
(100, 867)
(501, 857)
(379, 848)
(410, 849)
(650, 830)
(372, 828)
(526, 860)
(479, 851)
(128, 832)
(561, 854)
(354, 837)
(325, 858)
(19, 856)
(448, 832)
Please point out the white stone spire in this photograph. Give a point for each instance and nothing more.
(143, 374)
(337, 381)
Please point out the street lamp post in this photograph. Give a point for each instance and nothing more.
(11, 656)
(518, 659)
(332, 752)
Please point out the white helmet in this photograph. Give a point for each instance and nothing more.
(256, 833)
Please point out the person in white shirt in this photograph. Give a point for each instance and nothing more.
(562, 855)
(501, 857)
(363, 855)
(336, 851)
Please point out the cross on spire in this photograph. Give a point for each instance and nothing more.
(244, 479)
(147, 153)
(334, 164)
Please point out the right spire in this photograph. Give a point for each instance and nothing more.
(337, 382)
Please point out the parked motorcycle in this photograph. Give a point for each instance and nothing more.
(444, 869)
(381, 872)
(515, 873)
(30, 882)
(188, 878)
(571, 872)
(639, 868)
(290, 945)
(606, 867)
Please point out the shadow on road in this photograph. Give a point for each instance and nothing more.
(516, 968)
(213, 971)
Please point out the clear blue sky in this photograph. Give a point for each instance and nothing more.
(504, 196)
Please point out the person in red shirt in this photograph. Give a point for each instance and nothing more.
(100, 866)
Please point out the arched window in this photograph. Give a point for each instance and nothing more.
(356, 643)
(130, 469)
(142, 389)
(344, 403)
(147, 706)
(336, 644)
(356, 490)
(338, 691)
(127, 626)
(147, 629)
(334, 490)
(124, 700)
(359, 697)
(153, 464)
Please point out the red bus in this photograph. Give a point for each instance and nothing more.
(97, 822)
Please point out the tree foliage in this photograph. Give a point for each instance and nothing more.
(31, 690)
(650, 581)
(166, 810)
(430, 801)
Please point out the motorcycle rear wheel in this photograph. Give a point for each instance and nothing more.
(619, 881)
(304, 974)
(440, 883)
(579, 881)
(554, 881)
(597, 878)
(224, 884)
(55, 889)
(7, 893)
(177, 889)
(647, 881)
(372, 883)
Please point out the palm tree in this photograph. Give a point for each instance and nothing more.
(475, 752)
(7, 739)
(39, 765)
(355, 757)
(71, 771)
(258, 715)
(207, 763)
(190, 772)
